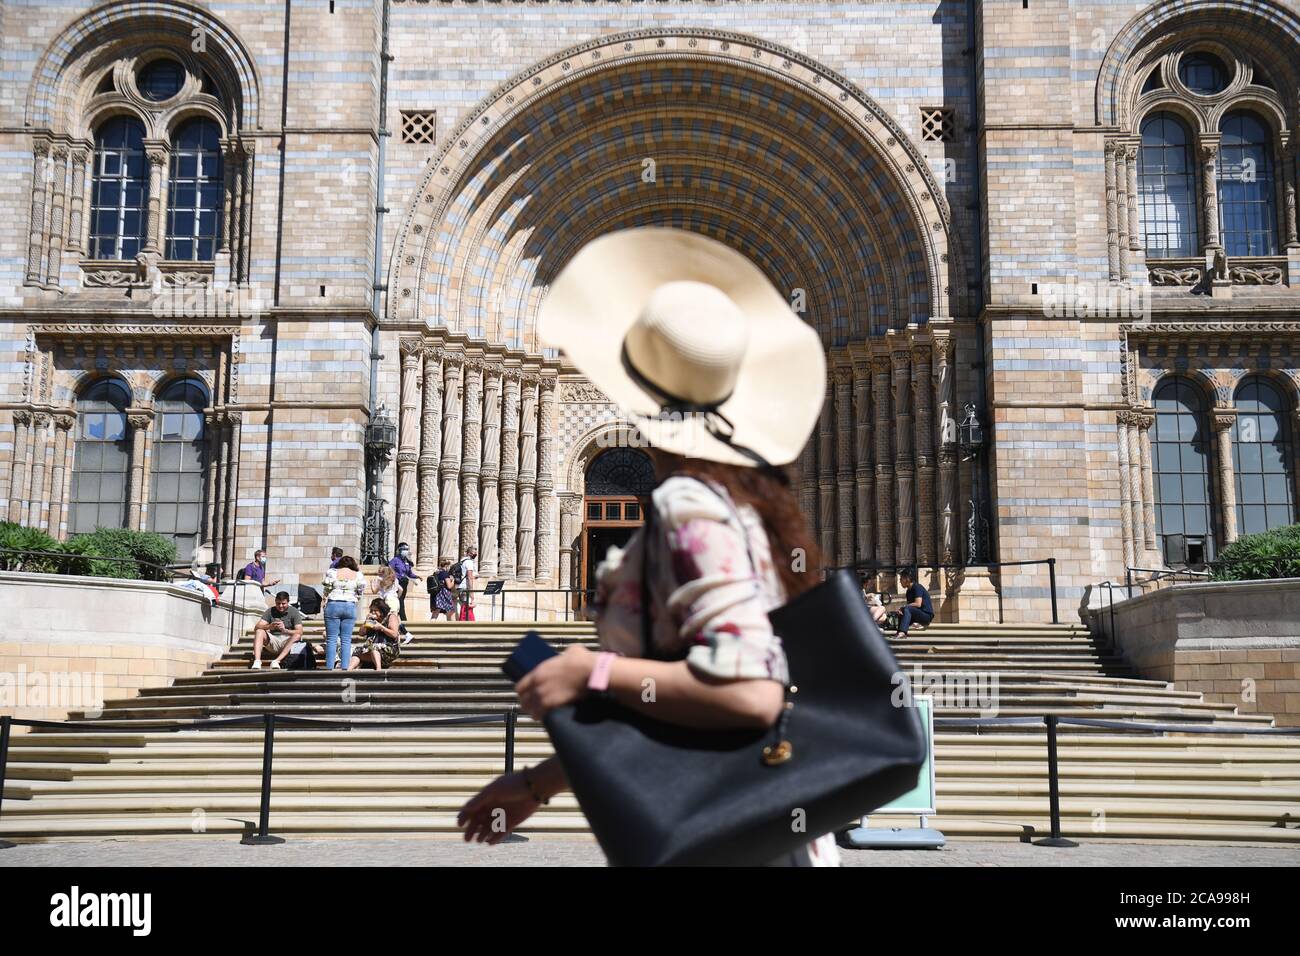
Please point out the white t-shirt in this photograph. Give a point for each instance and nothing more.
(468, 566)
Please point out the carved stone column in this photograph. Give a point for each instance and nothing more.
(844, 463)
(427, 553)
(880, 400)
(865, 505)
(63, 424)
(472, 448)
(904, 462)
(249, 148)
(449, 529)
(1208, 147)
(54, 260)
(212, 439)
(1135, 484)
(22, 453)
(230, 161)
(1144, 423)
(949, 515)
(156, 153)
(570, 525)
(1134, 221)
(1112, 211)
(808, 480)
(546, 479)
(140, 420)
(40, 444)
(1123, 223)
(234, 442)
(826, 477)
(77, 199)
(491, 507)
(923, 396)
(1223, 422)
(1125, 489)
(1290, 239)
(407, 435)
(509, 470)
(526, 559)
(36, 234)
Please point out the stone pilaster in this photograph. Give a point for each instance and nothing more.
(526, 558)
(1125, 490)
(80, 156)
(490, 511)
(880, 400)
(546, 479)
(246, 210)
(1135, 485)
(826, 477)
(1223, 421)
(36, 233)
(1122, 212)
(140, 420)
(949, 513)
(904, 462)
(213, 430)
(509, 470)
(407, 436)
(1112, 210)
(1144, 423)
(59, 168)
(472, 452)
(40, 446)
(234, 442)
(63, 425)
(427, 553)
(844, 463)
(570, 525)
(229, 186)
(449, 467)
(923, 397)
(865, 505)
(22, 454)
(1208, 151)
(1134, 221)
(808, 480)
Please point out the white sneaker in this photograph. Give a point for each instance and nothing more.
(275, 665)
(406, 639)
(257, 665)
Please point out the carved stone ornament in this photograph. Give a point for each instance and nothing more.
(1256, 275)
(1162, 275)
(581, 392)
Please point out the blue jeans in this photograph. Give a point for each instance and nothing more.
(340, 618)
(913, 615)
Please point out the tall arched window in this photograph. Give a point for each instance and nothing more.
(1167, 188)
(176, 502)
(1247, 207)
(119, 190)
(194, 192)
(102, 458)
(1181, 455)
(1261, 455)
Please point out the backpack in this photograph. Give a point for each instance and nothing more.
(457, 572)
(309, 599)
(303, 660)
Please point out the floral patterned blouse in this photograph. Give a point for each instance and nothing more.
(710, 589)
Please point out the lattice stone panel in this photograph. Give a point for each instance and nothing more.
(576, 419)
(419, 126)
(938, 125)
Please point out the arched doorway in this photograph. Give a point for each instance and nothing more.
(618, 486)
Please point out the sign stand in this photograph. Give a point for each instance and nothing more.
(919, 801)
(492, 589)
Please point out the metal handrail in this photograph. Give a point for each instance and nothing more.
(161, 572)
(990, 565)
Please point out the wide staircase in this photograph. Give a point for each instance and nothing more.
(991, 782)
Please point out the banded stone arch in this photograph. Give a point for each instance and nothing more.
(716, 132)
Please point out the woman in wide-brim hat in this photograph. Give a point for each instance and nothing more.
(725, 382)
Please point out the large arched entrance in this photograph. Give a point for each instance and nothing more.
(618, 484)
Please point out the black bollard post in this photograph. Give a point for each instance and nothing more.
(1053, 789)
(262, 837)
(5, 725)
(512, 716)
(1051, 577)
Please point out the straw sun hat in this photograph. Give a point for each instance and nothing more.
(705, 357)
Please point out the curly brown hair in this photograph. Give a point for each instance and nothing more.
(769, 491)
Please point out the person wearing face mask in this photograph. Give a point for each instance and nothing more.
(405, 570)
(255, 571)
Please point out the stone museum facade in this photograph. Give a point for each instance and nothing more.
(270, 271)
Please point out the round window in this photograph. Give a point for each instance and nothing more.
(1203, 73)
(161, 80)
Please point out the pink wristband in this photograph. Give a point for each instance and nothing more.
(599, 679)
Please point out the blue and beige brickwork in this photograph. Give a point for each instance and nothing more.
(928, 182)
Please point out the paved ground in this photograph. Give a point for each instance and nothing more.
(568, 851)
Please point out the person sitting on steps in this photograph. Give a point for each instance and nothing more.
(380, 632)
(281, 627)
(917, 608)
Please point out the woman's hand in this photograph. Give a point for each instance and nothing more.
(496, 810)
(555, 682)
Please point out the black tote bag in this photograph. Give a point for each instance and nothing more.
(659, 794)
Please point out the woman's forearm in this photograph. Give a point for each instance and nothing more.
(548, 777)
(674, 693)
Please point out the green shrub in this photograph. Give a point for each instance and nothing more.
(1253, 557)
(146, 546)
(24, 541)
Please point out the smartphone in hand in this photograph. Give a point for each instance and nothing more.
(528, 653)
